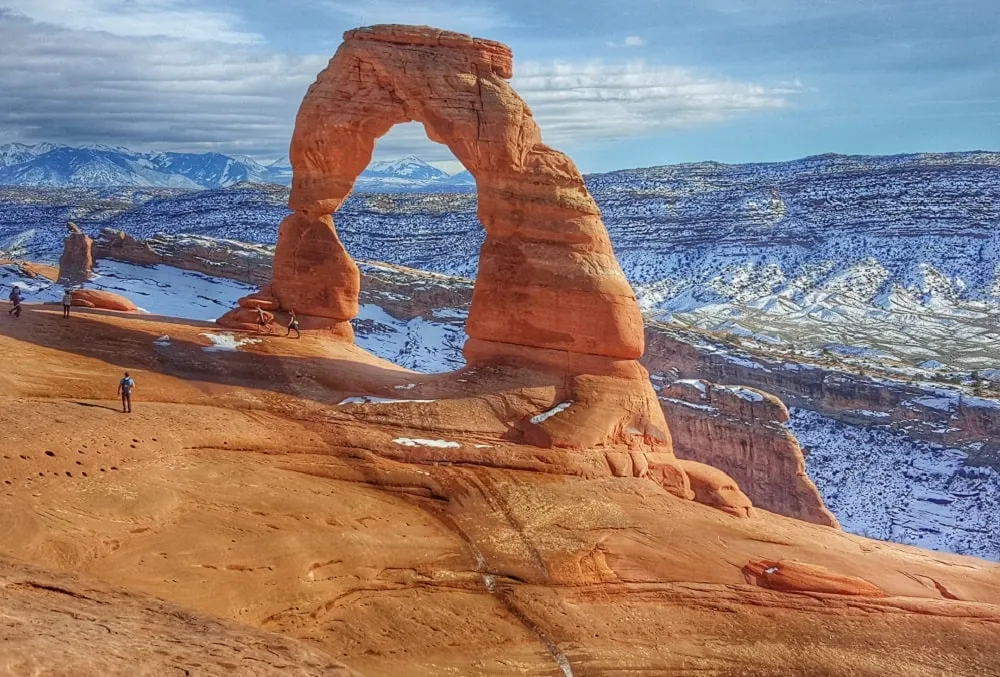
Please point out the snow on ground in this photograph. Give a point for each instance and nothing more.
(161, 290)
(225, 343)
(417, 442)
(883, 484)
(430, 347)
(546, 415)
(371, 399)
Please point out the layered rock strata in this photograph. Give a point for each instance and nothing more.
(742, 432)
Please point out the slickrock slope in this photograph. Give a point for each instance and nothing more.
(410, 534)
(742, 432)
(56, 624)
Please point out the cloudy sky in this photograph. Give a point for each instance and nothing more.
(615, 83)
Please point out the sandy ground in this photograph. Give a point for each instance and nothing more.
(241, 488)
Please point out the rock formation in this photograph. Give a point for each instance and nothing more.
(741, 431)
(549, 296)
(105, 300)
(77, 261)
(547, 275)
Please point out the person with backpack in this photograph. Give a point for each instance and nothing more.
(67, 302)
(125, 388)
(15, 298)
(293, 325)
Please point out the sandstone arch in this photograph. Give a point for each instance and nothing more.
(548, 278)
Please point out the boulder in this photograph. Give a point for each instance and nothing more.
(713, 487)
(105, 300)
(792, 576)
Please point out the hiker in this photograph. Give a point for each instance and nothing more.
(125, 387)
(67, 302)
(262, 320)
(293, 324)
(16, 299)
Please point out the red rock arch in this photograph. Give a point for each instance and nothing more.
(548, 278)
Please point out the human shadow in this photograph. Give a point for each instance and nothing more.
(94, 405)
(329, 371)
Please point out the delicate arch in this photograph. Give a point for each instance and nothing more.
(548, 278)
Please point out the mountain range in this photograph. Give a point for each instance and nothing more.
(47, 165)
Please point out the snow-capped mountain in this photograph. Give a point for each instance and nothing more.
(409, 167)
(411, 175)
(48, 165)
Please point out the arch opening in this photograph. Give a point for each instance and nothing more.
(411, 226)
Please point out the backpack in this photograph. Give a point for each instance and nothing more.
(127, 384)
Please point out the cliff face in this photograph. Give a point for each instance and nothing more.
(742, 432)
(924, 411)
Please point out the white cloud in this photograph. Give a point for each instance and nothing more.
(475, 16)
(79, 86)
(146, 92)
(137, 18)
(634, 41)
(576, 102)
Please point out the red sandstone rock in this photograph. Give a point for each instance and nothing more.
(741, 431)
(713, 487)
(792, 576)
(77, 261)
(547, 278)
(549, 295)
(93, 298)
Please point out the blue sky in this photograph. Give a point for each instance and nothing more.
(615, 84)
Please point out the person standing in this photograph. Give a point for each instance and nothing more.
(15, 298)
(67, 302)
(125, 388)
(293, 325)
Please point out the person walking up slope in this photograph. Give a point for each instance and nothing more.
(293, 325)
(125, 387)
(67, 302)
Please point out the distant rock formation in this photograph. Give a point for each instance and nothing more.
(77, 261)
(741, 431)
(222, 258)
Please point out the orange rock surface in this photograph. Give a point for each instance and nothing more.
(104, 300)
(56, 624)
(418, 534)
